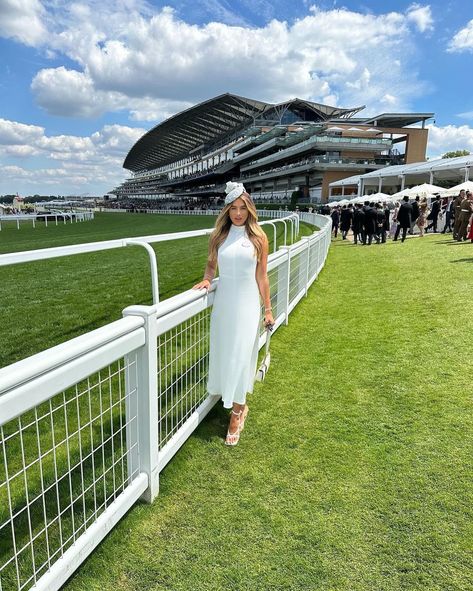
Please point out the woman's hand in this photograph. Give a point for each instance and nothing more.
(268, 319)
(204, 284)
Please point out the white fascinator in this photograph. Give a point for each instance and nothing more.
(233, 191)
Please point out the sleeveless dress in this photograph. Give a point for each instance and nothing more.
(234, 321)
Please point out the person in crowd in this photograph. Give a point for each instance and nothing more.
(358, 223)
(387, 215)
(239, 247)
(335, 215)
(456, 213)
(404, 217)
(380, 224)
(393, 226)
(449, 211)
(465, 214)
(415, 213)
(470, 231)
(346, 217)
(421, 220)
(434, 214)
(369, 222)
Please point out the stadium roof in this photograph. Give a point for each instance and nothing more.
(444, 167)
(398, 119)
(205, 123)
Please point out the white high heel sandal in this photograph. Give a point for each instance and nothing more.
(233, 438)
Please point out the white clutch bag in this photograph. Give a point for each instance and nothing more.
(264, 366)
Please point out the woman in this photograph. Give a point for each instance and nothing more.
(393, 228)
(423, 206)
(239, 247)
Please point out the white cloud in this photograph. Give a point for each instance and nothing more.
(75, 162)
(127, 56)
(362, 82)
(449, 138)
(421, 16)
(70, 93)
(154, 64)
(22, 20)
(463, 39)
(12, 133)
(20, 151)
(389, 99)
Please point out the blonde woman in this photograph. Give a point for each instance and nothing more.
(392, 229)
(423, 206)
(239, 248)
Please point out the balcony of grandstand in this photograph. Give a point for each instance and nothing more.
(274, 149)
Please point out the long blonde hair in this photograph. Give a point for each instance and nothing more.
(223, 225)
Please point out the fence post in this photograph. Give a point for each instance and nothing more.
(286, 270)
(142, 433)
(307, 242)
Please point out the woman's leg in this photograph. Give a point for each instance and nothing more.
(235, 426)
(235, 417)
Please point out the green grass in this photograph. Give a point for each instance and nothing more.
(354, 470)
(45, 303)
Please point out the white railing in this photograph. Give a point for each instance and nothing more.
(144, 242)
(56, 216)
(87, 426)
(269, 213)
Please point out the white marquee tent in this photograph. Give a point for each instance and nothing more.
(453, 191)
(424, 190)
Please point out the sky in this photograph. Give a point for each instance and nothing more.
(80, 82)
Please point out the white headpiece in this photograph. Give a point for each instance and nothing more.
(233, 191)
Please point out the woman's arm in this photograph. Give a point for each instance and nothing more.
(263, 282)
(209, 274)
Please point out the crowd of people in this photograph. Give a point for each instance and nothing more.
(375, 222)
(140, 205)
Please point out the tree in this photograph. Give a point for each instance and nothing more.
(456, 153)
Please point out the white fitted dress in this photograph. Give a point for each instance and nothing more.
(234, 322)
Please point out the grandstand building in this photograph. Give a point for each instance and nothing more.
(274, 149)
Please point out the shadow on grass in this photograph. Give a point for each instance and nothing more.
(451, 243)
(469, 260)
(215, 424)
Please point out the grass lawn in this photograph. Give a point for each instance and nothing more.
(45, 303)
(354, 472)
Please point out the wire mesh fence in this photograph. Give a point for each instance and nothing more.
(182, 371)
(61, 465)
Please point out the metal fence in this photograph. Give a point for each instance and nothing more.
(52, 216)
(289, 221)
(87, 426)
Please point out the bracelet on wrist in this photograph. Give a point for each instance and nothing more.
(268, 309)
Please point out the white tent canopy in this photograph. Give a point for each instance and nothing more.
(349, 181)
(377, 197)
(453, 191)
(452, 169)
(424, 190)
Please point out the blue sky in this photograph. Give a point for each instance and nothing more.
(81, 81)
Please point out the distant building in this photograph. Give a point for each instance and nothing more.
(273, 149)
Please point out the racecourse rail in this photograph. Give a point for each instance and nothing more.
(87, 426)
(73, 216)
